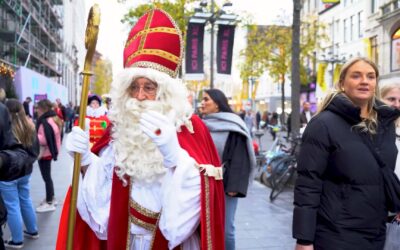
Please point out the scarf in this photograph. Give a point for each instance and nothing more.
(48, 132)
(221, 123)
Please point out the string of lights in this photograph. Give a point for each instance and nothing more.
(6, 71)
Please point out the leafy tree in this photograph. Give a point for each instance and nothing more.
(270, 48)
(103, 72)
(179, 10)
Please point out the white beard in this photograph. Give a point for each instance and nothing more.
(136, 154)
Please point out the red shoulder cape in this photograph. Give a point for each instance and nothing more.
(200, 146)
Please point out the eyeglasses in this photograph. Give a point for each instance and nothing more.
(150, 89)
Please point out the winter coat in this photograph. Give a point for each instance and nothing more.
(339, 195)
(235, 148)
(45, 153)
(13, 157)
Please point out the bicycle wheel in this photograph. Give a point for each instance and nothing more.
(281, 182)
(276, 167)
(265, 180)
(267, 170)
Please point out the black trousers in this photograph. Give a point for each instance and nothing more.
(45, 170)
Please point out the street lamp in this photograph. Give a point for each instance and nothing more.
(252, 81)
(213, 17)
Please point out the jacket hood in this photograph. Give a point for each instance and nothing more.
(342, 106)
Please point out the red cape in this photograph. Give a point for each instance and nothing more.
(199, 146)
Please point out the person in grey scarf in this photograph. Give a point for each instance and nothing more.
(235, 149)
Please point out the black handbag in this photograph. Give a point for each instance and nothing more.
(390, 179)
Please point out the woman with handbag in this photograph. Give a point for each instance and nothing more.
(346, 165)
(48, 127)
(235, 149)
(16, 193)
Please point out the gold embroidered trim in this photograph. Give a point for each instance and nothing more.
(154, 232)
(146, 29)
(168, 30)
(180, 39)
(143, 224)
(156, 66)
(208, 220)
(143, 210)
(128, 237)
(154, 52)
(179, 63)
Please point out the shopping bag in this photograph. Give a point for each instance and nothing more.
(392, 236)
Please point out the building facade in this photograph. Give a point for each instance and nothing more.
(31, 35)
(43, 36)
(369, 28)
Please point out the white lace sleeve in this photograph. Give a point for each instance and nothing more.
(180, 214)
(95, 192)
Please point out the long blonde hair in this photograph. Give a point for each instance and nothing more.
(370, 123)
(22, 128)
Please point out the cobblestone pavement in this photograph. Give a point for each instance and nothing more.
(260, 224)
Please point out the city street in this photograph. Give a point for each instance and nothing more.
(260, 224)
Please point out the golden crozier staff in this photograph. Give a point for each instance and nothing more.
(92, 30)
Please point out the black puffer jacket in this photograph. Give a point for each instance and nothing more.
(13, 156)
(339, 197)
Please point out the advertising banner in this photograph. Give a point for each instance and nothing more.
(194, 49)
(226, 35)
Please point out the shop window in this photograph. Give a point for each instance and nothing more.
(395, 51)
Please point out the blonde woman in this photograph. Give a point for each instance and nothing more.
(340, 200)
(390, 94)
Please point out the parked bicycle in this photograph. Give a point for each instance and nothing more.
(284, 170)
(267, 158)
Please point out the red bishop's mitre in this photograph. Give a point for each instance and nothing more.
(155, 42)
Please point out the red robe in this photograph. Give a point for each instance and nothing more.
(199, 146)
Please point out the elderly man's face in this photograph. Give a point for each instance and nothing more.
(143, 89)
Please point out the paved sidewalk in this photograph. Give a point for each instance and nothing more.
(260, 224)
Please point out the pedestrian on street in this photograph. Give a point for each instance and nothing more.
(13, 159)
(249, 120)
(48, 127)
(390, 94)
(273, 122)
(26, 104)
(96, 113)
(156, 182)
(235, 149)
(306, 114)
(346, 162)
(16, 193)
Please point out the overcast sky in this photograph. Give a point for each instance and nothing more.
(113, 33)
